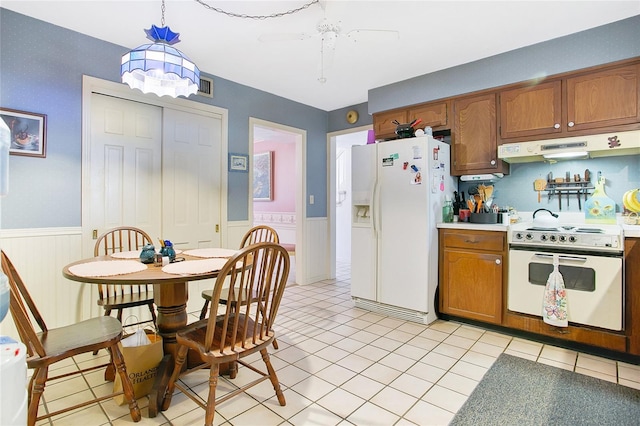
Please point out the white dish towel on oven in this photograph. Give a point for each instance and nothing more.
(554, 305)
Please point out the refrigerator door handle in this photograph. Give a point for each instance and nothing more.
(375, 209)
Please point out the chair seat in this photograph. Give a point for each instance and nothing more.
(126, 300)
(62, 342)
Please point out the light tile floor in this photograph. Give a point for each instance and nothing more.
(341, 365)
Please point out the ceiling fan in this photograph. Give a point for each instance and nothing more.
(329, 33)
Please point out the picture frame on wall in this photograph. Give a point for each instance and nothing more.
(239, 163)
(263, 176)
(28, 132)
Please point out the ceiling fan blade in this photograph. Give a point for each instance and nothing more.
(275, 37)
(373, 35)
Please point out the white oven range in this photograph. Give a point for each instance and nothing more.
(590, 258)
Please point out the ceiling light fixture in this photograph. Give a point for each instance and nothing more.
(158, 67)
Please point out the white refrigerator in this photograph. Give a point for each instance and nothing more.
(398, 189)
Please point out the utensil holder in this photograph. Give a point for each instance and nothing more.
(483, 218)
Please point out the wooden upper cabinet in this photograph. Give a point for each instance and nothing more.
(532, 110)
(603, 99)
(383, 125)
(435, 115)
(474, 138)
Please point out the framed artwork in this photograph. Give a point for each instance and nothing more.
(263, 176)
(28, 132)
(239, 163)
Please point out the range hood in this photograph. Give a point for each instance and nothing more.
(575, 147)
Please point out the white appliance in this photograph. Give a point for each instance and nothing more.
(590, 259)
(398, 188)
(603, 145)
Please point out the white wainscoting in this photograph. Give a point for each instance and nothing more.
(316, 251)
(283, 222)
(39, 256)
(235, 232)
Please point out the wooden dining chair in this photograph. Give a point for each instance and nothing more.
(257, 234)
(235, 332)
(51, 345)
(123, 296)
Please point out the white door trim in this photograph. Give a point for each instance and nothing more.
(331, 192)
(95, 85)
(301, 189)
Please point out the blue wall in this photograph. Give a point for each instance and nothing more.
(601, 45)
(516, 190)
(42, 66)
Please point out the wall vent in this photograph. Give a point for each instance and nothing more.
(206, 87)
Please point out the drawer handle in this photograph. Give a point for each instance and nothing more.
(498, 261)
(471, 241)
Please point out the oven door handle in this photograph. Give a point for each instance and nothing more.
(564, 257)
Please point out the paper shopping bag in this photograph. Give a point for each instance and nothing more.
(142, 362)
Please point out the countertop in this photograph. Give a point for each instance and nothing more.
(474, 226)
(629, 231)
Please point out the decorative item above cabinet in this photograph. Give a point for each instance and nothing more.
(433, 114)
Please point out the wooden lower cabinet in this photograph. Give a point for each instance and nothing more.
(632, 294)
(471, 274)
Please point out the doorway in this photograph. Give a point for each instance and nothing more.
(340, 144)
(278, 186)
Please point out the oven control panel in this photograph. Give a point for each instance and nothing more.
(595, 241)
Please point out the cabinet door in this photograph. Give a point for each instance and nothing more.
(472, 285)
(434, 115)
(603, 99)
(530, 111)
(383, 125)
(632, 292)
(475, 146)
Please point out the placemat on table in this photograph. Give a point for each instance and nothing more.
(106, 268)
(194, 266)
(127, 254)
(213, 252)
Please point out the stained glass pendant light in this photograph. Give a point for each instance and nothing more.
(158, 67)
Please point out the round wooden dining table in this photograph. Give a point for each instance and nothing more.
(170, 293)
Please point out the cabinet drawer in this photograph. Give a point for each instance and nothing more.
(476, 240)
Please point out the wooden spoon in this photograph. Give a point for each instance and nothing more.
(539, 185)
(488, 192)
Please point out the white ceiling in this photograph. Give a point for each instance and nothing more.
(433, 35)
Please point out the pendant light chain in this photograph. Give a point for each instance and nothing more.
(162, 8)
(257, 17)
